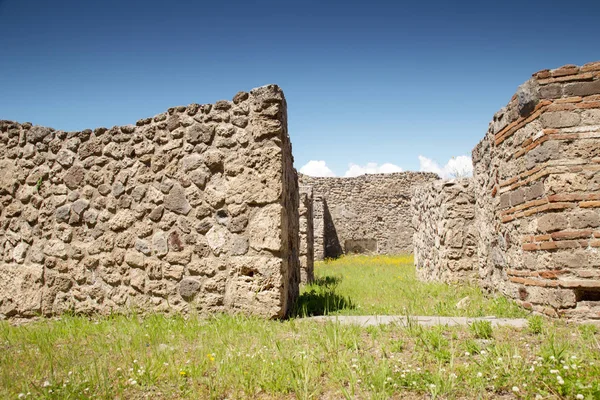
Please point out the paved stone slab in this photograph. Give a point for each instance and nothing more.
(372, 320)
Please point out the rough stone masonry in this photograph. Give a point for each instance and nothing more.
(193, 209)
(307, 256)
(365, 214)
(445, 239)
(536, 186)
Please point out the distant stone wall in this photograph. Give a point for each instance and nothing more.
(445, 233)
(318, 227)
(307, 254)
(537, 186)
(196, 208)
(368, 213)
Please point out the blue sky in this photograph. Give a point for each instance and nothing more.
(366, 81)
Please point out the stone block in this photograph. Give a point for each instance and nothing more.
(582, 88)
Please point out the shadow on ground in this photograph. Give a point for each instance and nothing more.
(320, 298)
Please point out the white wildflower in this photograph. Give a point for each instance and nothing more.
(515, 389)
(579, 396)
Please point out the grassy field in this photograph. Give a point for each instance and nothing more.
(237, 357)
(387, 285)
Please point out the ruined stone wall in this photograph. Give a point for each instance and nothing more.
(196, 208)
(368, 213)
(445, 233)
(307, 254)
(537, 185)
(318, 227)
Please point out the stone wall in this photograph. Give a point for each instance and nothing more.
(318, 227)
(445, 233)
(307, 255)
(196, 208)
(368, 213)
(537, 186)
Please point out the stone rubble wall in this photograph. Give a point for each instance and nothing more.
(193, 209)
(537, 189)
(307, 256)
(369, 213)
(445, 233)
(318, 227)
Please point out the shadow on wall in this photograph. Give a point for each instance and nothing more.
(333, 248)
(321, 298)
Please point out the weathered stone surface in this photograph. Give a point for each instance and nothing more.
(445, 234)
(176, 200)
(535, 229)
(105, 220)
(122, 220)
(368, 213)
(307, 255)
(527, 95)
(160, 243)
(73, 178)
(188, 288)
(552, 222)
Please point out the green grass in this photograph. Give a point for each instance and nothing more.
(387, 285)
(237, 357)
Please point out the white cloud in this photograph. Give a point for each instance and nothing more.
(460, 166)
(316, 168)
(371, 168)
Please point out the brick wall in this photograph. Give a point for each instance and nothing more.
(537, 185)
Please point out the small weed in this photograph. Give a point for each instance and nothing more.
(481, 329)
(535, 324)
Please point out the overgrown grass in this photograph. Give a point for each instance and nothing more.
(387, 285)
(238, 357)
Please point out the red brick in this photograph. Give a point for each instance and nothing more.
(561, 206)
(528, 239)
(551, 274)
(588, 105)
(589, 204)
(561, 107)
(548, 246)
(555, 198)
(543, 74)
(507, 218)
(579, 77)
(572, 99)
(587, 274)
(592, 66)
(580, 234)
(580, 284)
(568, 244)
(543, 238)
(530, 247)
(534, 282)
(565, 70)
